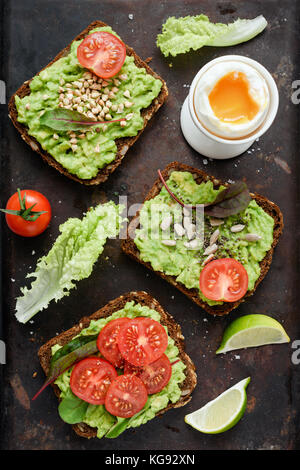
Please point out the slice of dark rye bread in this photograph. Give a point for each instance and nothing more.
(122, 144)
(174, 330)
(129, 247)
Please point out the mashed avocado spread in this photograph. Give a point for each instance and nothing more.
(86, 154)
(186, 264)
(96, 415)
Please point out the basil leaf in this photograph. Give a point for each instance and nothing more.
(123, 423)
(72, 409)
(61, 119)
(66, 361)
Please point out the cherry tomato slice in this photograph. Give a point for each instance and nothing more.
(224, 279)
(102, 53)
(90, 379)
(155, 376)
(126, 396)
(142, 341)
(28, 228)
(107, 341)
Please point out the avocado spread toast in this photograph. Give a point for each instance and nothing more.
(247, 238)
(122, 104)
(91, 420)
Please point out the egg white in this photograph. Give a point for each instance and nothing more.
(258, 90)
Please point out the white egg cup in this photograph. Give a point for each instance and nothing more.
(210, 145)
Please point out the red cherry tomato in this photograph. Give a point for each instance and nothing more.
(224, 279)
(126, 396)
(107, 341)
(102, 53)
(90, 379)
(155, 376)
(24, 224)
(142, 341)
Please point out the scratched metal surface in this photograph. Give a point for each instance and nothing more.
(34, 31)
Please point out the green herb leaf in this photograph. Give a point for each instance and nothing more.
(61, 119)
(72, 409)
(123, 423)
(230, 201)
(70, 347)
(66, 361)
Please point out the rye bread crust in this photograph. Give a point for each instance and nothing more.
(122, 144)
(143, 298)
(129, 247)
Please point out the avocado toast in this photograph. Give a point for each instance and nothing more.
(87, 158)
(184, 381)
(263, 215)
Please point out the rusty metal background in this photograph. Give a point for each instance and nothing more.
(34, 31)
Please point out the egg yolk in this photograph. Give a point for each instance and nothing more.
(231, 101)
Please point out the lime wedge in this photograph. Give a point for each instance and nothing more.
(250, 331)
(223, 412)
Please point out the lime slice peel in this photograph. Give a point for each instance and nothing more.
(252, 331)
(223, 412)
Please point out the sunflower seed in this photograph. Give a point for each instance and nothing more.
(187, 222)
(215, 222)
(194, 244)
(169, 242)
(187, 211)
(166, 222)
(208, 258)
(214, 237)
(180, 231)
(237, 228)
(252, 237)
(190, 231)
(210, 249)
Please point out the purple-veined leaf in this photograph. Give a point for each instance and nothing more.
(60, 119)
(78, 350)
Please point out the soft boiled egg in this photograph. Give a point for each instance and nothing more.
(231, 99)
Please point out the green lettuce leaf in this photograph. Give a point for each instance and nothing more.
(70, 259)
(72, 409)
(180, 35)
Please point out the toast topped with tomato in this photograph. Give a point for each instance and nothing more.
(85, 109)
(218, 259)
(129, 365)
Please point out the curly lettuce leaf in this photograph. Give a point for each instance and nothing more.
(179, 35)
(70, 259)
